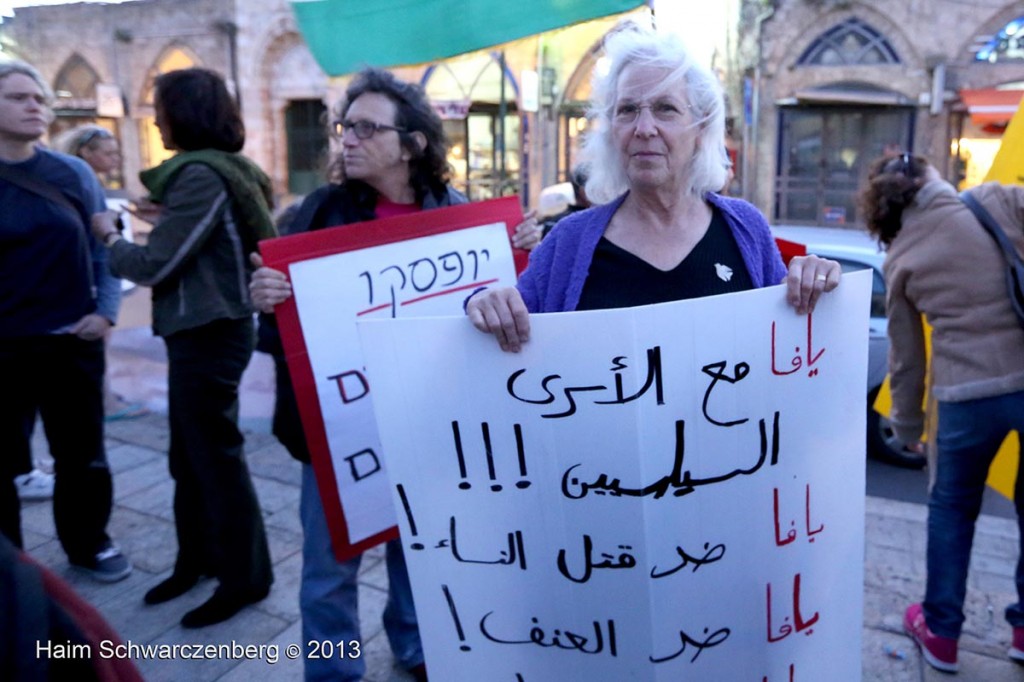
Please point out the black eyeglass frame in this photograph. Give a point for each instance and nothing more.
(364, 130)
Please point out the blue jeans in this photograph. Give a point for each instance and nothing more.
(969, 436)
(329, 600)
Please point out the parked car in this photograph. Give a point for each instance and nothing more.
(857, 250)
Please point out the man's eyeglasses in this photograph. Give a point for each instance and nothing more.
(364, 130)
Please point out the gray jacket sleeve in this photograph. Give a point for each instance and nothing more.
(192, 208)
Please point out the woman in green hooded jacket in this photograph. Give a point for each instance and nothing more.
(209, 205)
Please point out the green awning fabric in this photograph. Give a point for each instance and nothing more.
(346, 35)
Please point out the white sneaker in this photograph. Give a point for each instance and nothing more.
(35, 485)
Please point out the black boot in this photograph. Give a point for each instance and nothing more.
(172, 588)
(221, 606)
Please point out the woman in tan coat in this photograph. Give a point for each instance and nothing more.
(942, 264)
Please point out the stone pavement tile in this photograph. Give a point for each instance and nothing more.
(284, 670)
(283, 544)
(139, 622)
(975, 668)
(374, 571)
(258, 439)
(283, 600)
(125, 456)
(889, 567)
(273, 461)
(274, 495)
(896, 533)
(30, 539)
(250, 626)
(141, 477)
(884, 607)
(37, 517)
(895, 509)
(51, 555)
(380, 663)
(149, 431)
(148, 541)
(889, 657)
(996, 581)
(286, 518)
(156, 500)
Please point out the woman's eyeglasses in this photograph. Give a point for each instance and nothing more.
(664, 111)
(364, 130)
(95, 134)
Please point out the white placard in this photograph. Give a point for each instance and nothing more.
(424, 276)
(668, 492)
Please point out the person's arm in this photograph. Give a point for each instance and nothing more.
(193, 206)
(108, 288)
(908, 363)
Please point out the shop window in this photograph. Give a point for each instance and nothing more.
(1007, 45)
(470, 94)
(849, 43)
(306, 136)
(824, 152)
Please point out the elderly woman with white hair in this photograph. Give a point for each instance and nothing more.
(657, 157)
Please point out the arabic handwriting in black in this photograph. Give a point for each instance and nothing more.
(712, 639)
(455, 618)
(608, 560)
(680, 482)
(654, 378)
(573, 641)
(711, 555)
(408, 515)
(506, 557)
(716, 370)
(485, 435)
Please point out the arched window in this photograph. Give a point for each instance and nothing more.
(1006, 45)
(470, 93)
(75, 85)
(851, 42)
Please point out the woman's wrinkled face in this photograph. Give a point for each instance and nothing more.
(104, 156)
(653, 129)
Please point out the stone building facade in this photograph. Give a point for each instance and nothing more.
(286, 98)
(833, 84)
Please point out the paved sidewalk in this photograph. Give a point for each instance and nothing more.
(142, 524)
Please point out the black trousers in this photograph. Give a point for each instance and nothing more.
(61, 377)
(217, 516)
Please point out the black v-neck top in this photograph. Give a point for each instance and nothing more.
(619, 279)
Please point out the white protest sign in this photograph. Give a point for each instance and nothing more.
(660, 493)
(415, 265)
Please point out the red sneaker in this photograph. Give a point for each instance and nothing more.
(1016, 651)
(939, 652)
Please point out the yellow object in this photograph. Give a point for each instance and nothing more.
(1008, 164)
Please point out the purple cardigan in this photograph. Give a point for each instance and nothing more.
(553, 281)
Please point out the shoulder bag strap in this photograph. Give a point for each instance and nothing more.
(991, 225)
(51, 193)
(44, 189)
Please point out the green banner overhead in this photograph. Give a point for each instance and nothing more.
(345, 35)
